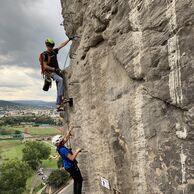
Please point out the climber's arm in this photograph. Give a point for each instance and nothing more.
(72, 157)
(66, 138)
(56, 157)
(46, 67)
(63, 44)
(45, 63)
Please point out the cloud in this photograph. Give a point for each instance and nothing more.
(25, 24)
(17, 83)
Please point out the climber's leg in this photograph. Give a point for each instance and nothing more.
(77, 177)
(60, 87)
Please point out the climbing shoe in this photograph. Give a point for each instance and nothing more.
(70, 101)
(60, 108)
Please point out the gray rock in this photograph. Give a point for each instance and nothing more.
(134, 97)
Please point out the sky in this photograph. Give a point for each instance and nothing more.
(24, 27)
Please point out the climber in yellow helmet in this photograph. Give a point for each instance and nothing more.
(51, 67)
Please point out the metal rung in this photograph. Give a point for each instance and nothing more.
(74, 82)
(76, 126)
(70, 101)
(71, 12)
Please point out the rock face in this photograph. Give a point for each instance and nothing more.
(132, 80)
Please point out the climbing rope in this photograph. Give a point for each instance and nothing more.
(68, 18)
(66, 107)
(66, 60)
(65, 115)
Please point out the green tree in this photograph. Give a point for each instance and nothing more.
(13, 176)
(11, 120)
(17, 132)
(58, 178)
(60, 162)
(34, 153)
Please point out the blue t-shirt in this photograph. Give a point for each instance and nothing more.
(64, 151)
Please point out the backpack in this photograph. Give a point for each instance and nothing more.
(47, 83)
(41, 60)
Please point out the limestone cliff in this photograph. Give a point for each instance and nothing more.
(132, 80)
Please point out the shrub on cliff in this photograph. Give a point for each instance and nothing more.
(58, 178)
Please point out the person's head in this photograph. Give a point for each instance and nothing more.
(58, 140)
(49, 44)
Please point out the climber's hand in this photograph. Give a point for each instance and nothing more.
(58, 71)
(78, 150)
(69, 133)
(72, 37)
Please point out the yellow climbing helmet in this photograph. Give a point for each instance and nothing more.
(50, 42)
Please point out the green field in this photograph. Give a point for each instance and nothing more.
(50, 163)
(36, 130)
(11, 149)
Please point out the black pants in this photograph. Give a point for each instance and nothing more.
(77, 177)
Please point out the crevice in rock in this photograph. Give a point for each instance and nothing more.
(136, 79)
(120, 95)
(158, 28)
(166, 102)
(100, 20)
(128, 46)
(96, 40)
(151, 135)
(118, 138)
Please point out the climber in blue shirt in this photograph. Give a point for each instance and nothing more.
(69, 160)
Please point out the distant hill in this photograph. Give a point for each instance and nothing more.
(4, 103)
(36, 103)
(26, 103)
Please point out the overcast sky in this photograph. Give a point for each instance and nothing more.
(24, 27)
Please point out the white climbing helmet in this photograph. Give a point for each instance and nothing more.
(57, 139)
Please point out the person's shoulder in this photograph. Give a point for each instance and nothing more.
(56, 50)
(44, 53)
(63, 148)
